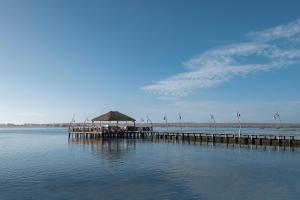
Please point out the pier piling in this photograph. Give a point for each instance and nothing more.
(271, 140)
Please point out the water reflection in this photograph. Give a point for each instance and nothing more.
(106, 148)
(118, 148)
(49, 166)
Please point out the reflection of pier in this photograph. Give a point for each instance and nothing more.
(109, 149)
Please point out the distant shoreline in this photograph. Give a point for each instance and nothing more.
(183, 124)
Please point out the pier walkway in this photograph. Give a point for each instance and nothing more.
(254, 139)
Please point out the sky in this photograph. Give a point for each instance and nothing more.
(155, 58)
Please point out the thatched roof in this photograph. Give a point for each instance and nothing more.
(113, 116)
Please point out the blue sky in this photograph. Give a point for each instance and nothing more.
(193, 58)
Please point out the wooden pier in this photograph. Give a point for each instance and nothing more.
(247, 139)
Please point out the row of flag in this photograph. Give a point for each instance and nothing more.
(276, 116)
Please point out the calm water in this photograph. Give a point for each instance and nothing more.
(44, 164)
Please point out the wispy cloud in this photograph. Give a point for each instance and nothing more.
(266, 50)
(283, 31)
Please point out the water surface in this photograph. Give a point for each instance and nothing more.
(45, 164)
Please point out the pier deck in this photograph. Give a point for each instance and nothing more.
(253, 139)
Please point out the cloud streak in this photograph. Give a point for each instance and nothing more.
(266, 50)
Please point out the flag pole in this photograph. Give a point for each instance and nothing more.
(87, 119)
(165, 118)
(149, 120)
(212, 117)
(276, 117)
(238, 115)
(180, 124)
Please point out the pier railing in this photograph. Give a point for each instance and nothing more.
(118, 132)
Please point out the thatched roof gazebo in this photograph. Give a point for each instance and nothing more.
(114, 116)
